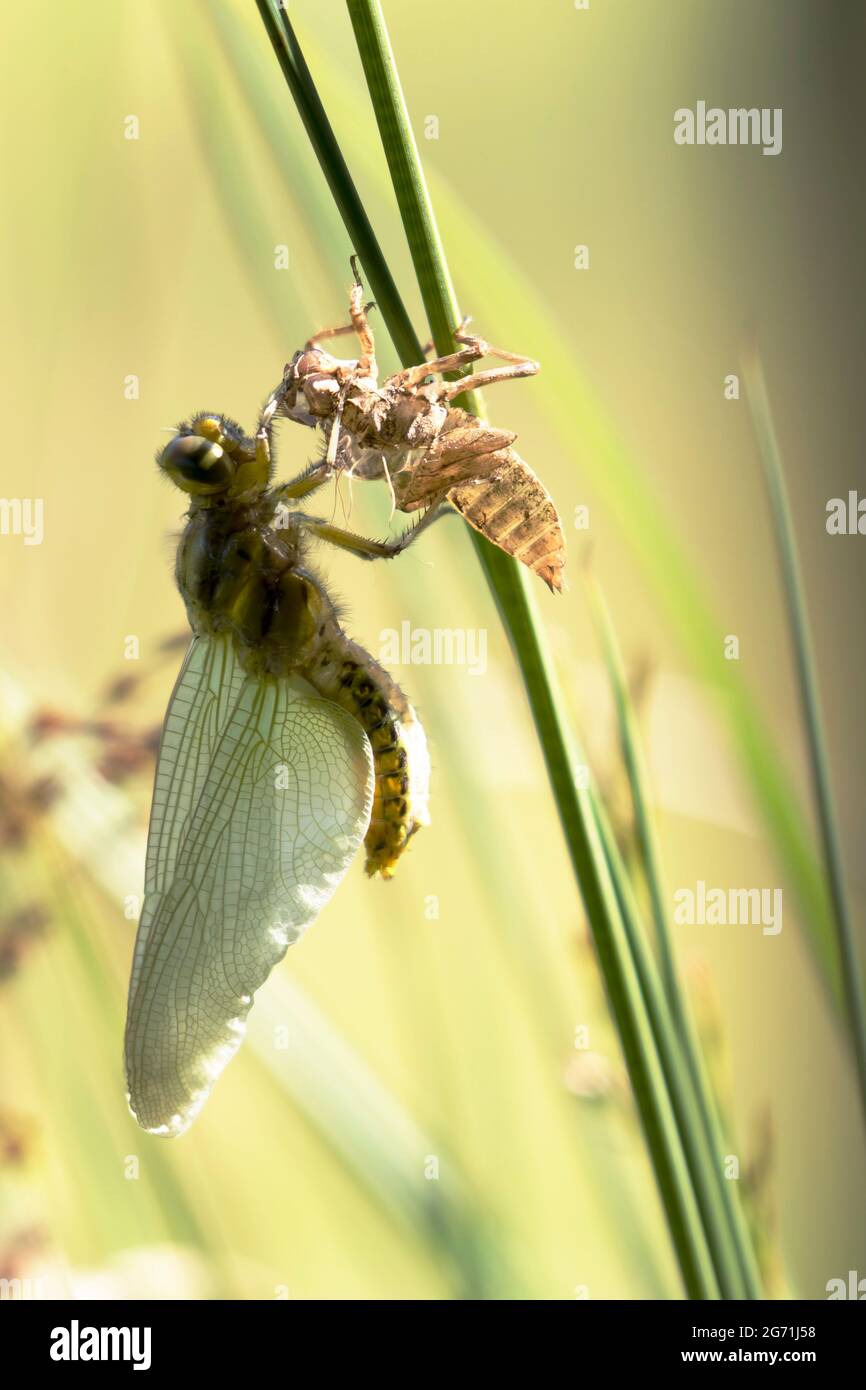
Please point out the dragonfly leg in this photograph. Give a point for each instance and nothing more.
(313, 477)
(450, 389)
(271, 408)
(473, 350)
(367, 549)
(516, 367)
(430, 345)
(358, 314)
(340, 331)
(263, 428)
(452, 362)
(360, 326)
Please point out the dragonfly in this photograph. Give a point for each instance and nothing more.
(407, 431)
(285, 744)
(284, 747)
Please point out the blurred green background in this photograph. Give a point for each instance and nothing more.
(431, 1022)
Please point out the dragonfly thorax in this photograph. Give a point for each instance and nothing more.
(238, 573)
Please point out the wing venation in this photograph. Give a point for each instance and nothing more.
(262, 797)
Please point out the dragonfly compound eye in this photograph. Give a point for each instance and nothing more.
(197, 465)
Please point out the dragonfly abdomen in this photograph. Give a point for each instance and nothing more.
(512, 508)
(346, 673)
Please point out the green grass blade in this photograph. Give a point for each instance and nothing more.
(668, 1006)
(703, 1170)
(632, 755)
(574, 414)
(336, 171)
(404, 165)
(810, 698)
(585, 435)
(517, 607)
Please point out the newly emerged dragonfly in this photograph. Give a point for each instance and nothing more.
(408, 432)
(285, 745)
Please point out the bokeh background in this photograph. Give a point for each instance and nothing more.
(431, 1022)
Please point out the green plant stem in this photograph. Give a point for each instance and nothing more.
(566, 399)
(616, 959)
(705, 1174)
(810, 698)
(517, 609)
(334, 167)
(678, 1045)
(407, 175)
(632, 755)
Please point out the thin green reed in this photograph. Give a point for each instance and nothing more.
(572, 413)
(515, 602)
(666, 999)
(810, 700)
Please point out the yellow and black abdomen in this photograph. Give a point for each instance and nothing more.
(347, 674)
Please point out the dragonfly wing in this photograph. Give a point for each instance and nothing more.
(262, 796)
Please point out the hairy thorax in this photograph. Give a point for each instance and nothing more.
(239, 573)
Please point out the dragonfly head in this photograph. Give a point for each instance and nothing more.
(210, 457)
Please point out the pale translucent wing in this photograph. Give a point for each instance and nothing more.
(262, 796)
